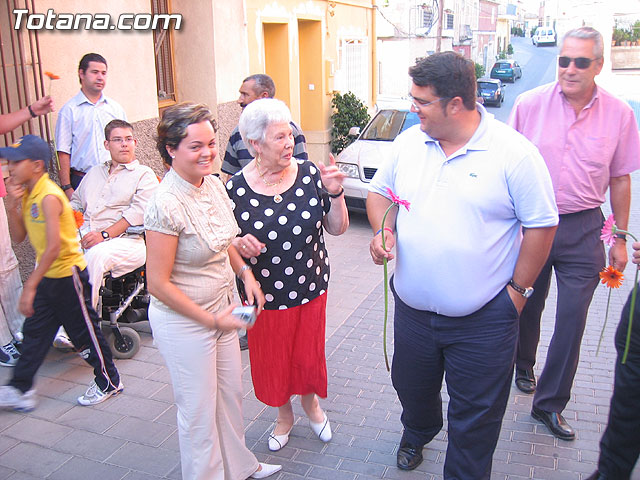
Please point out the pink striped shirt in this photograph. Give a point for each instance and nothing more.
(583, 151)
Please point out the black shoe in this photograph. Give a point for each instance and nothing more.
(525, 380)
(244, 343)
(555, 422)
(409, 456)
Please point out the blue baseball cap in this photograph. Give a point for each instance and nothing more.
(28, 147)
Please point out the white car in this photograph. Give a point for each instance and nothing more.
(360, 160)
(544, 36)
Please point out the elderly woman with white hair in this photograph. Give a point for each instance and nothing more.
(283, 205)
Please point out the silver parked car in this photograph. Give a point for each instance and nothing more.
(360, 160)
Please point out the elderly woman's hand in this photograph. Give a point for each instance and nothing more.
(248, 245)
(331, 177)
(253, 290)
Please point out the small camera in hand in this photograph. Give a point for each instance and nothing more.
(247, 314)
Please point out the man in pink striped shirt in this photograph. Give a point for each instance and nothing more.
(590, 143)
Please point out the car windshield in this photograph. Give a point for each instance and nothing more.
(487, 86)
(387, 124)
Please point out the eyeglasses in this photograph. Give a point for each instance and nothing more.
(417, 104)
(120, 140)
(581, 62)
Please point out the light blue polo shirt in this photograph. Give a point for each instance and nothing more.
(80, 129)
(458, 244)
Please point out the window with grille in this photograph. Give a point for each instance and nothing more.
(352, 75)
(163, 50)
(427, 17)
(450, 21)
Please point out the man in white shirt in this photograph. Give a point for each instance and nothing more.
(81, 122)
(113, 196)
(464, 269)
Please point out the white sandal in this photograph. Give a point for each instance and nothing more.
(322, 429)
(277, 442)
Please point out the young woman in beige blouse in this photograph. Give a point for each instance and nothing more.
(190, 271)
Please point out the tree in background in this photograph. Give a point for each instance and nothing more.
(348, 111)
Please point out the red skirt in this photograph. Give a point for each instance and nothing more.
(286, 349)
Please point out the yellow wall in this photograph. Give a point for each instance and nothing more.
(302, 69)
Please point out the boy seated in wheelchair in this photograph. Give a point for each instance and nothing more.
(113, 197)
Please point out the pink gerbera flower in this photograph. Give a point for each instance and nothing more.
(608, 232)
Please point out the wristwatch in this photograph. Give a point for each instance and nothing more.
(525, 292)
(66, 187)
(105, 235)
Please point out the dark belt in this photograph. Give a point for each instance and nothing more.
(77, 172)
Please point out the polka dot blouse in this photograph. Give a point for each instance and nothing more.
(293, 267)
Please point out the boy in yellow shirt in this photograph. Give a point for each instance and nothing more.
(58, 291)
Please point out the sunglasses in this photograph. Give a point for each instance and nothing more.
(581, 62)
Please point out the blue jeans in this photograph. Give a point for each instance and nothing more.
(477, 353)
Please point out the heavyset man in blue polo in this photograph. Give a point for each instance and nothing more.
(464, 266)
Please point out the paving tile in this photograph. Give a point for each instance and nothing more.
(154, 461)
(319, 459)
(144, 408)
(40, 432)
(362, 468)
(81, 468)
(141, 431)
(6, 472)
(20, 458)
(328, 474)
(90, 419)
(89, 445)
(139, 476)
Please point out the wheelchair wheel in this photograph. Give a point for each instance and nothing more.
(129, 347)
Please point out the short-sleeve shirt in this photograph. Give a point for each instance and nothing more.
(202, 219)
(458, 244)
(582, 151)
(293, 267)
(70, 254)
(106, 197)
(237, 156)
(80, 129)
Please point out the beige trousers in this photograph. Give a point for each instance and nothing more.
(206, 369)
(10, 284)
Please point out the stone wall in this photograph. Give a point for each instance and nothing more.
(625, 58)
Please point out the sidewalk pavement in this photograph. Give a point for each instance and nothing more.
(134, 436)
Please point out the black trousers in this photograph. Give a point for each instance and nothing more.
(620, 444)
(576, 257)
(476, 353)
(58, 302)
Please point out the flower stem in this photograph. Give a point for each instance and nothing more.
(634, 294)
(606, 316)
(386, 291)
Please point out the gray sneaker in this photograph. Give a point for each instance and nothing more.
(9, 355)
(94, 395)
(12, 398)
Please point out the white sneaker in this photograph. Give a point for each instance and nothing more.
(11, 397)
(62, 341)
(94, 395)
(9, 355)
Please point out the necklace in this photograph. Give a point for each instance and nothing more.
(277, 197)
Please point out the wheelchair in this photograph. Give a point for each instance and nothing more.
(123, 301)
